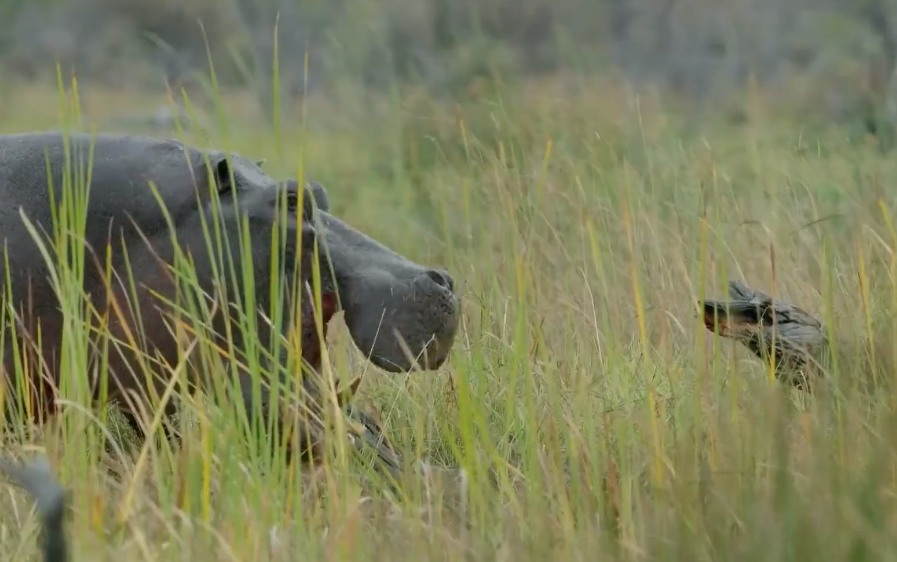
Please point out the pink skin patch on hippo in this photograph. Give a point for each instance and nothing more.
(311, 344)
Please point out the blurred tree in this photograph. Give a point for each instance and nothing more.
(9, 16)
(701, 49)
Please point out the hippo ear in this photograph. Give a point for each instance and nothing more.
(320, 194)
(261, 162)
(223, 176)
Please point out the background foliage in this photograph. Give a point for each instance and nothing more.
(834, 56)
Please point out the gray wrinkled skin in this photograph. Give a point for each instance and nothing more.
(381, 293)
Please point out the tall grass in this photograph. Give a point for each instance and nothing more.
(594, 416)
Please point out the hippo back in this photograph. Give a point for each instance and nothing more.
(121, 172)
(120, 197)
(122, 210)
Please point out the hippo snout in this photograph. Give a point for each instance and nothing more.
(400, 314)
(400, 324)
(434, 303)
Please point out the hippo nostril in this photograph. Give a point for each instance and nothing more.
(441, 278)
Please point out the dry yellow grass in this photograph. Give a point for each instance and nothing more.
(594, 415)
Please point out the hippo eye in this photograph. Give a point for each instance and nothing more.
(293, 205)
(292, 201)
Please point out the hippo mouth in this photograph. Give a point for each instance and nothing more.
(364, 433)
(311, 343)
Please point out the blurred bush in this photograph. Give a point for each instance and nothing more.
(842, 51)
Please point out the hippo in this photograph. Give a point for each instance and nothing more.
(400, 314)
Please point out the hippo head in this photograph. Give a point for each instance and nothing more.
(399, 314)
